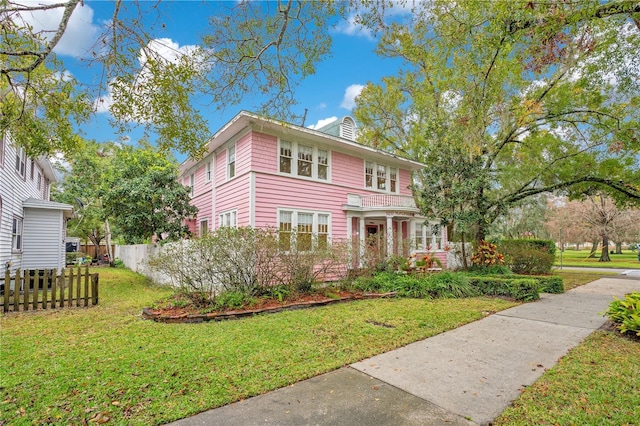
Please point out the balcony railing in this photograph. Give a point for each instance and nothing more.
(381, 200)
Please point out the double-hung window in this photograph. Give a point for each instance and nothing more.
(231, 161)
(21, 161)
(303, 230)
(302, 160)
(380, 177)
(192, 184)
(203, 229)
(16, 234)
(228, 219)
(207, 172)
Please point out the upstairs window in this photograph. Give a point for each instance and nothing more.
(192, 184)
(207, 171)
(21, 161)
(305, 161)
(310, 162)
(231, 161)
(380, 177)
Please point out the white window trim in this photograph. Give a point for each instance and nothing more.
(201, 227)
(374, 181)
(192, 184)
(207, 171)
(314, 165)
(294, 221)
(21, 159)
(19, 232)
(235, 161)
(233, 218)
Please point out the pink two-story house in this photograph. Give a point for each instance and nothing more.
(260, 172)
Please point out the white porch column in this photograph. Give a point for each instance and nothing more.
(412, 235)
(399, 238)
(350, 238)
(424, 237)
(362, 242)
(443, 236)
(389, 235)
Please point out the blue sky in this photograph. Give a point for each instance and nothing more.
(328, 93)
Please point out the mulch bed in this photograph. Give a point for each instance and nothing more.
(263, 306)
(610, 326)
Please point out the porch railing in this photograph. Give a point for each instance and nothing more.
(387, 200)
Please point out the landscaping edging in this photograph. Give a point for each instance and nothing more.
(147, 313)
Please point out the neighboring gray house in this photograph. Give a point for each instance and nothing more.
(32, 228)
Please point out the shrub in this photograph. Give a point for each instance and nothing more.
(486, 254)
(449, 285)
(626, 313)
(525, 289)
(489, 270)
(550, 284)
(529, 256)
(72, 257)
(231, 300)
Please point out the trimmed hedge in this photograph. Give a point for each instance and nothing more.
(528, 256)
(525, 289)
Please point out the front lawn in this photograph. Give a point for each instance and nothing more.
(573, 279)
(107, 364)
(595, 384)
(626, 260)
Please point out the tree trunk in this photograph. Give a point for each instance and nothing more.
(594, 248)
(619, 248)
(604, 255)
(107, 237)
(465, 265)
(577, 246)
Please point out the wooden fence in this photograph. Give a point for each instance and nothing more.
(44, 289)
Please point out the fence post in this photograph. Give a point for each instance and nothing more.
(25, 289)
(94, 288)
(7, 289)
(86, 287)
(61, 279)
(78, 287)
(36, 285)
(16, 291)
(45, 284)
(70, 295)
(54, 281)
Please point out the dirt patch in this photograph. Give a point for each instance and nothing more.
(190, 314)
(610, 326)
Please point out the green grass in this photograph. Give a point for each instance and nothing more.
(77, 365)
(573, 279)
(626, 260)
(595, 384)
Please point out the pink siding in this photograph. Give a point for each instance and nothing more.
(234, 194)
(347, 170)
(404, 182)
(264, 153)
(273, 192)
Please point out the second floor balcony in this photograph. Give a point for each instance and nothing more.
(382, 201)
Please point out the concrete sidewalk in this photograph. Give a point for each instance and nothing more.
(465, 376)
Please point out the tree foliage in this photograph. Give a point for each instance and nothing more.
(508, 100)
(261, 49)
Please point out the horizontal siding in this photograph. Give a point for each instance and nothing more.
(405, 182)
(273, 192)
(264, 153)
(234, 195)
(243, 155)
(347, 170)
(43, 238)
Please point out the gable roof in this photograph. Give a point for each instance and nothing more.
(245, 120)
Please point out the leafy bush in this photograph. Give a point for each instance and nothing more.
(72, 257)
(248, 261)
(449, 285)
(550, 284)
(489, 270)
(525, 289)
(118, 263)
(486, 254)
(231, 300)
(529, 256)
(626, 313)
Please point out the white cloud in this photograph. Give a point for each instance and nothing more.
(350, 94)
(163, 48)
(322, 123)
(80, 35)
(352, 28)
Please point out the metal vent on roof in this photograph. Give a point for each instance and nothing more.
(348, 129)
